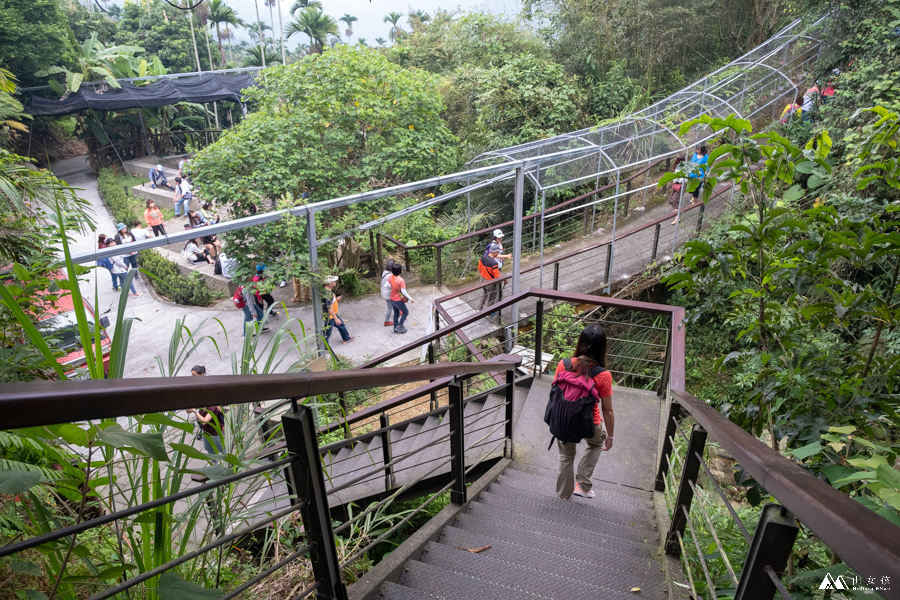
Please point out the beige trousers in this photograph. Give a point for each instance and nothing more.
(565, 481)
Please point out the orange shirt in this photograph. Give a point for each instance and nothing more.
(153, 217)
(603, 383)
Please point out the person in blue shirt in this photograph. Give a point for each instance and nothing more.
(158, 178)
(701, 158)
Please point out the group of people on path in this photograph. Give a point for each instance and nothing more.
(118, 266)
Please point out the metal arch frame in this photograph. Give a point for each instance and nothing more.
(500, 154)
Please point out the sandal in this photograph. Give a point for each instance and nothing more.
(348, 341)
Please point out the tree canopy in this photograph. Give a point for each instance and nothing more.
(333, 124)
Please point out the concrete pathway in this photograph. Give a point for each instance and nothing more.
(151, 334)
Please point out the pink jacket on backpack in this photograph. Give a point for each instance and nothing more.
(602, 386)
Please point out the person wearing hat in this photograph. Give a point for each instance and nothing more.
(489, 268)
(183, 197)
(260, 297)
(330, 311)
(158, 178)
(498, 241)
(123, 236)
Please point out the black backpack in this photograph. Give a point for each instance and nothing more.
(570, 420)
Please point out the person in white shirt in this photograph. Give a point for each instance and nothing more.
(119, 270)
(138, 232)
(183, 197)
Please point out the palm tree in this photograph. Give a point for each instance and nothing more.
(361, 41)
(262, 39)
(255, 58)
(301, 4)
(418, 18)
(190, 16)
(281, 31)
(271, 4)
(219, 13)
(315, 24)
(349, 20)
(381, 41)
(228, 36)
(303, 48)
(394, 18)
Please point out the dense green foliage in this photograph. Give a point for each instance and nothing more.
(334, 124)
(33, 35)
(189, 290)
(165, 33)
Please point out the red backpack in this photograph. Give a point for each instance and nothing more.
(239, 297)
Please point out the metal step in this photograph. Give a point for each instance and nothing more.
(651, 581)
(488, 519)
(404, 469)
(621, 555)
(544, 583)
(520, 471)
(449, 585)
(565, 515)
(600, 507)
(429, 458)
(394, 591)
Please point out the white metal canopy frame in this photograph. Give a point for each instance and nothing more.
(755, 86)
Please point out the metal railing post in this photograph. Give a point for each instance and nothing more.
(510, 394)
(306, 470)
(387, 453)
(406, 258)
(771, 547)
(380, 249)
(608, 267)
(313, 287)
(518, 213)
(434, 400)
(655, 243)
(627, 196)
(556, 275)
(685, 490)
(457, 443)
(671, 424)
(440, 273)
(538, 334)
(342, 401)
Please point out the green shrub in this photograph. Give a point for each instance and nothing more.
(170, 283)
(124, 208)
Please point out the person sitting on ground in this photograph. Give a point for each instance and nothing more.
(498, 241)
(399, 297)
(158, 178)
(206, 212)
(212, 243)
(489, 269)
(194, 254)
(195, 219)
(154, 218)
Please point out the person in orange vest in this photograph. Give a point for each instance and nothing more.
(489, 268)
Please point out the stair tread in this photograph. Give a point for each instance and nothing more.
(600, 575)
(564, 515)
(541, 582)
(450, 585)
(395, 591)
(490, 518)
(516, 473)
(599, 507)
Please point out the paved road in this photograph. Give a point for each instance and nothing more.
(151, 334)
